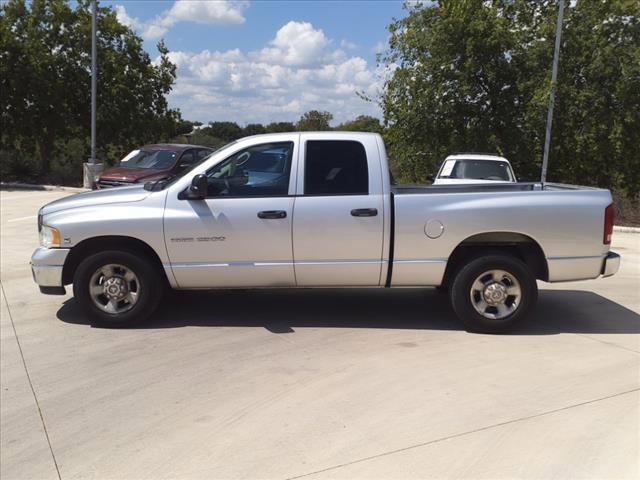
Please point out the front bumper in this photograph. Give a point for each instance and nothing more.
(611, 264)
(46, 267)
(101, 184)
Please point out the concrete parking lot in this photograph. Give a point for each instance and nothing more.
(316, 383)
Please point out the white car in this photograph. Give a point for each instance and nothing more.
(465, 168)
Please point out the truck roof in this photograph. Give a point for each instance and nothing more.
(325, 133)
(476, 156)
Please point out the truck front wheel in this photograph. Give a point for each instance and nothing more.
(117, 288)
(491, 294)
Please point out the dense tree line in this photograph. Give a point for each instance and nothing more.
(474, 75)
(215, 134)
(465, 75)
(45, 66)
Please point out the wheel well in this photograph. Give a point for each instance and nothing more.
(515, 244)
(99, 244)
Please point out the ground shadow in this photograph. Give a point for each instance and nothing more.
(281, 311)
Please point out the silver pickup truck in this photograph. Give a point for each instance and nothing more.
(319, 210)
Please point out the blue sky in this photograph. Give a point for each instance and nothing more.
(263, 61)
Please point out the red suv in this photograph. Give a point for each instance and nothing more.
(152, 162)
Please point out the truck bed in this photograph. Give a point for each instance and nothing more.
(564, 221)
(479, 188)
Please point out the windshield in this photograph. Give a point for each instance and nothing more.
(496, 170)
(154, 159)
(165, 183)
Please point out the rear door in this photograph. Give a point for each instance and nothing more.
(338, 212)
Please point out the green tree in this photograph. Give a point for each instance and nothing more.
(362, 123)
(226, 131)
(202, 138)
(454, 88)
(184, 127)
(596, 126)
(475, 75)
(314, 121)
(45, 65)
(279, 127)
(254, 129)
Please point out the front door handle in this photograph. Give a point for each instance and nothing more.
(270, 214)
(364, 212)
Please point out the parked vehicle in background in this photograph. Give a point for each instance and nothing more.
(317, 209)
(461, 168)
(153, 162)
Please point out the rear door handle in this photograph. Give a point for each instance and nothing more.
(364, 212)
(270, 214)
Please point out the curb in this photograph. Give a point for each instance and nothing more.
(626, 229)
(49, 188)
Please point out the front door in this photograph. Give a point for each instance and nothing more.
(240, 235)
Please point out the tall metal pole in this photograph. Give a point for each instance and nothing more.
(554, 76)
(94, 74)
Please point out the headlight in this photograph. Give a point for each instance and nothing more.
(49, 237)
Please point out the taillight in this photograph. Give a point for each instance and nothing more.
(608, 224)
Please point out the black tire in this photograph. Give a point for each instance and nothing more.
(461, 296)
(150, 289)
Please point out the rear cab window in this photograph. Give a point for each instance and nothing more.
(469, 168)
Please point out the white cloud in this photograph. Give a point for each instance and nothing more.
(296, 43)
(211, 11)
(295, 72)
(153, 31)
(379, 47)
(125, 19)
(198, 11)
(344, 43)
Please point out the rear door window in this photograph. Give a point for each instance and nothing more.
(335, 167)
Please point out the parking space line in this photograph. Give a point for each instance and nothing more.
(20, 219)
(22, 197)
(607, 343)
(26, 371)
(488, 427)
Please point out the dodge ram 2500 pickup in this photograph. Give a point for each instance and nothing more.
(319, 210)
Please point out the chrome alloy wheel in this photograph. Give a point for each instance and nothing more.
(114, 289)
(495, 294)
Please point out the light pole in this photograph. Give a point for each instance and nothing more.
(94, 72)
(552, 97)
(93, 169)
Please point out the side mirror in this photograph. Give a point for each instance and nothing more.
(431, 177)
(197, 190)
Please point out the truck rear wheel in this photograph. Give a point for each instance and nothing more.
(117, 288)
(492, 294)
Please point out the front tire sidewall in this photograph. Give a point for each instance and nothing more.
(461, 288)
(149, 296)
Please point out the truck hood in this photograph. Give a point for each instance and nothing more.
(135, 193)
(125, 174)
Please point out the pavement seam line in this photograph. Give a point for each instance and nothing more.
(26, 371)
(462, 434)
(615, 345)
